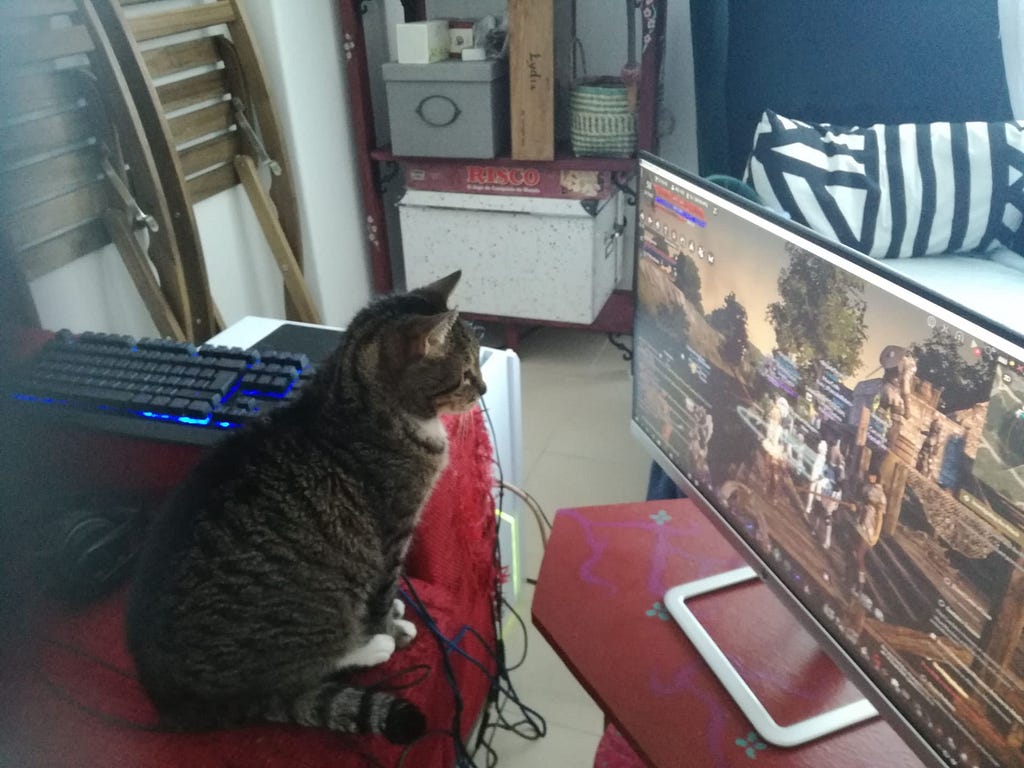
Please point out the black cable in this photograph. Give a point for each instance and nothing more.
(104, 717)
(526, 636)
(500, 680)
(66, 695)
(449, 673)
(384, 683)
(82, 653)
(501, 689)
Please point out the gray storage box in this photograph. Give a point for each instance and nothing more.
(448, 108)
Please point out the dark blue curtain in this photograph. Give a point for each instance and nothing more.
(842, 62)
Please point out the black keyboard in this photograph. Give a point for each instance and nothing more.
(156, 388)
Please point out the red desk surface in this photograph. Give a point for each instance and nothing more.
(599, 603)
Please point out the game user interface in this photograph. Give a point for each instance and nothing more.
(868, 446)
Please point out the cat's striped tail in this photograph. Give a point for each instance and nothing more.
(347, 708)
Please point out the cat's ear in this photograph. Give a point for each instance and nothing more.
(427, 335)
(439, 290)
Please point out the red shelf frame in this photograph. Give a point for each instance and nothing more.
(562, 162)
(617, 315)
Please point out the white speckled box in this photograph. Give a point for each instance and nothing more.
(530, 258)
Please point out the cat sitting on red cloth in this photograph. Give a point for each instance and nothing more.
(71, 698)
(268, 582)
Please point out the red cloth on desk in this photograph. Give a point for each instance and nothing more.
(613, 751)
(63, 685)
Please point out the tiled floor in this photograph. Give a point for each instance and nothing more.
(577, 451)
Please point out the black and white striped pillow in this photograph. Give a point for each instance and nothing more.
(893, 191)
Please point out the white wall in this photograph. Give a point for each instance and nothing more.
(301, 46)
(301, 50)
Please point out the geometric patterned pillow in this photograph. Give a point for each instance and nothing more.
(892, 191)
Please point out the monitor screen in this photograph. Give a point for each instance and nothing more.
(863, 445)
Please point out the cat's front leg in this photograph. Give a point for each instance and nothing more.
(403, 630)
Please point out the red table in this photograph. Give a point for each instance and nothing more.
(599, 603)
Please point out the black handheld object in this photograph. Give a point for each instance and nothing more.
(89, 548)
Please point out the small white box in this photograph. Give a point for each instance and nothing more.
(531, 258)
(459, 39)
(422, 42)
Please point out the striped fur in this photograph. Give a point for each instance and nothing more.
(280, 555)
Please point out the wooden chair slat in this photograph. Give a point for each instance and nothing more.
(22, 141)
(211, 183)
(194, 90)
(22, 26)
(17, 50)
(39, 91)
(28, 226)
(29, 184)
(153, 25)
(15, 9)
(180, 57)
(45, 257)
(190, 126)
(210, 154)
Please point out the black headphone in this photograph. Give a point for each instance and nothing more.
(90, 548)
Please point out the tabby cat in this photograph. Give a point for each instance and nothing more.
(274, 569)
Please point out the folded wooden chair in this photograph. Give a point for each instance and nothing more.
(199, 85)
(75, 169)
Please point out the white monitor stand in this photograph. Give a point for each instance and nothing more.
(759, 717)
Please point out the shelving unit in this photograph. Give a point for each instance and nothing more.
(617, 316)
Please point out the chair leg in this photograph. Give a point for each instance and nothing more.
(294, 282)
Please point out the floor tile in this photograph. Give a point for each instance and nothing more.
(561, 748)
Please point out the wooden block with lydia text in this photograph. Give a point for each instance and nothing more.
(531, 78)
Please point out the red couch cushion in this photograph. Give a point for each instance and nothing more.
(70, 696)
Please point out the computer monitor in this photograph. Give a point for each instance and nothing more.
(862, 443)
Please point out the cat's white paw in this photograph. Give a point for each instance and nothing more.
(405, 632)
(398, 609)
(378, 650)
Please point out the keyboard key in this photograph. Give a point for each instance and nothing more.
(198, 409)
(106, 340)
(277, 384)
(222, 383)
(164, 345)
(228, 364)
(229, 353)
(295, 359)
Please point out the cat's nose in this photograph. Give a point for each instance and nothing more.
(483, 388)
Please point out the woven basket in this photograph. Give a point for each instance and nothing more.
(602, 122)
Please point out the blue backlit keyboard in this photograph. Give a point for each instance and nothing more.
(156, 388)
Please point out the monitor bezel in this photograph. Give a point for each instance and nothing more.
(887, 710)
